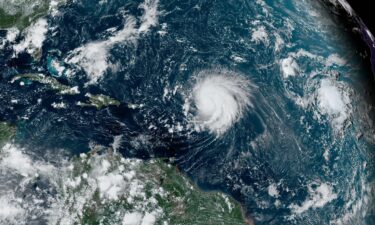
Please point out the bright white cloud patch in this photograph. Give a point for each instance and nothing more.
(12, 34)
(279, 42)
(18, 170)
(272, 190)
(260, 35)
(345, 5)
(334, 101)
(53, 6)
(134, 218)
(10, 210)
(150, 15)
(220, 98)
(327, 97)
(111, 176)
(318, 197)
(15, 160)
(34, 37)
(93, 57)
(289, 67)
(335, 59)
(369, 34)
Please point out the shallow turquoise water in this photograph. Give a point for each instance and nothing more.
(300, 153)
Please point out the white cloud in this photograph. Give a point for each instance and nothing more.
(34, 37)
(93, 57)
(15, 160)
(318, 197)
(272, 190)
(289, 67)
(279, 42)
(335, 59)
(260, 35)
(134, 218)
(10, 210)
(334, 102)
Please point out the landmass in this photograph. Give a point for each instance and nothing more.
(94, 100)
(7, 131)
(23, 13)
(121, 191)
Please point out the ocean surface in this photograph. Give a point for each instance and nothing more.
(267, 101)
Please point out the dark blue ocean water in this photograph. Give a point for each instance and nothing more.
(321, 175)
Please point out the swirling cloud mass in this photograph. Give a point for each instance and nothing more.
(219, 99)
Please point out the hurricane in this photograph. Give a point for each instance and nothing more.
(219, 99)
(127, 112)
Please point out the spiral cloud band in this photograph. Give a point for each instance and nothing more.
(220, 98)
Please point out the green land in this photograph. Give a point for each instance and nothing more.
(21, 14)
(160, 189)
(7, 131)
(99, 100)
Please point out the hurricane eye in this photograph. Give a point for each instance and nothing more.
(220, 98)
